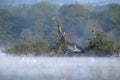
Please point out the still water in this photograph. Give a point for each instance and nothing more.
(59, 68)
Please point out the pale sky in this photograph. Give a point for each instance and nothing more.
(59, 1)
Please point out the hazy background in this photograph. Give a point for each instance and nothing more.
(95, 2)
(19, 20)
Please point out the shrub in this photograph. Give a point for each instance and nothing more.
(35, 46)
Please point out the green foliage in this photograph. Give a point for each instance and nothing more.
(38, 46)
(21, 47)
(41, 15)
(102, 46)
(77, 20)
(26, 34)
(73, 19)
(5, 25)
(61, 45)
(34, 47)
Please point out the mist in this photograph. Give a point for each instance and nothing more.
(28, 32)
(62, 68)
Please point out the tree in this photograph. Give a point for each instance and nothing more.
(73, 20)
(26, 34)
(5, 26)
(101, 45)
(91, 24)
(62, 42)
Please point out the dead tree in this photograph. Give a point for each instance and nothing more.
(58, 26)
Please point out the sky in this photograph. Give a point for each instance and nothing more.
(96, 2)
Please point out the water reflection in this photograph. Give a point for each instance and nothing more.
(62, 68)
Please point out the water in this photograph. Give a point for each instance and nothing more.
(59, 68)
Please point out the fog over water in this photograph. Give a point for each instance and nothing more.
(58, 68)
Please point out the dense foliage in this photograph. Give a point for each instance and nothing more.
(102, 46)
(26, 22)
(34, 47)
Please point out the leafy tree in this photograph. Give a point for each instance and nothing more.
(26, 34)
(5, 25)
(91, 24)
(102, 46)
(38, 46)
(73, 17)
(41, 15)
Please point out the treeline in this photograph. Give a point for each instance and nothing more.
(27, 22)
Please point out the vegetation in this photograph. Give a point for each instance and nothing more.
(102, 46)
(23, 47)
(21, 25)
(117, 47)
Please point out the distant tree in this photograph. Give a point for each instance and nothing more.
(61, 43)
(101, 45)
(5, 26)
(91, 24)
(41, 15)
(26, 34)
(73, 19)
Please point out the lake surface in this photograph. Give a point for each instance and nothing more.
(59, 68)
